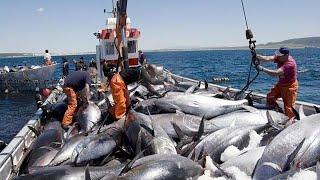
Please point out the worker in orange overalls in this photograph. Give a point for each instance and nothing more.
(287, 85)
(76, 87)
(118, 83)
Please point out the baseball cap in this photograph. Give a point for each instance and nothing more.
(282, 51)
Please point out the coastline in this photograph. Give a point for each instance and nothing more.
(240, 48)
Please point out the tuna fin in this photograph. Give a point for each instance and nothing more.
(151, 131)
(87, 173)
(225, 93)
(301, 112)
(272, 123)
(317, 109)
(130, 164)
(268, 137)
(178, 112)
(200, 130)
(190, 89)
(250, 101)
(318, 170)
(220, 172)
(239, 95)
(206, 85)
(254, 169)
(186, 151)
(226, 90)
(295, 112)
(36, 132)
(178, 130)
(138, 144)
(167, 107)
(193, 156)
(103, 122)
(166, 92)
(133, 89)
(251, 109)
(292, 156)
(201, 154)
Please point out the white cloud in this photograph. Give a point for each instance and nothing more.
(40, 10)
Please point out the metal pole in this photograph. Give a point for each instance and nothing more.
(98, 58)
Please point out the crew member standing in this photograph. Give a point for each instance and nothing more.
(142, 58)
(76, 87)
(118, 83)
(65, 69)
(287, 85)
(47, 58)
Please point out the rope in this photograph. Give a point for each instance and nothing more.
(252, 47)
(244, 14)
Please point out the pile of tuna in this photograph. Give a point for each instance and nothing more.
(193, 132)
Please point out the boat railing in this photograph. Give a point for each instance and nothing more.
(308, 108)
(13, 155)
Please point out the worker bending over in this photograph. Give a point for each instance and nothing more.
(118, 83)
(76, 87)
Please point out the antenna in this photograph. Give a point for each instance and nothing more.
(113, 9)
(113, 12)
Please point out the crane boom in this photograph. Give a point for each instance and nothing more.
(121, 28)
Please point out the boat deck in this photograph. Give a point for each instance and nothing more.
(14, 154)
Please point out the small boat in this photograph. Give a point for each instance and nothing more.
(26, 78)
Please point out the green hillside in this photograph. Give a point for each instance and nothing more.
(294, 43)
(15, 54)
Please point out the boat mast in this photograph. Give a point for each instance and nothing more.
(122, 44)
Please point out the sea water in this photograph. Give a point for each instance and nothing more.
(17, 109)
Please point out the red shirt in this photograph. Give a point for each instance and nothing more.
(290, 71)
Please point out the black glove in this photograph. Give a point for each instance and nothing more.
(260, 68)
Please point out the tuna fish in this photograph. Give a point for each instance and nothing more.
(297, 145)
(161, 143)
(40, 157)
(215, 143)
(93, 148)
(163, 166)
(64, 155)
(189, 124)
(88, 117)
(68, 172)
(246, 162)
(198, 105)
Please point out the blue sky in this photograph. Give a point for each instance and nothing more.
(68, 25)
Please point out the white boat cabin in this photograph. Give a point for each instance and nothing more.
(107, 48)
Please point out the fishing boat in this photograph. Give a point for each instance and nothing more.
(108, 51)
(12, 157)
(26, 78)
